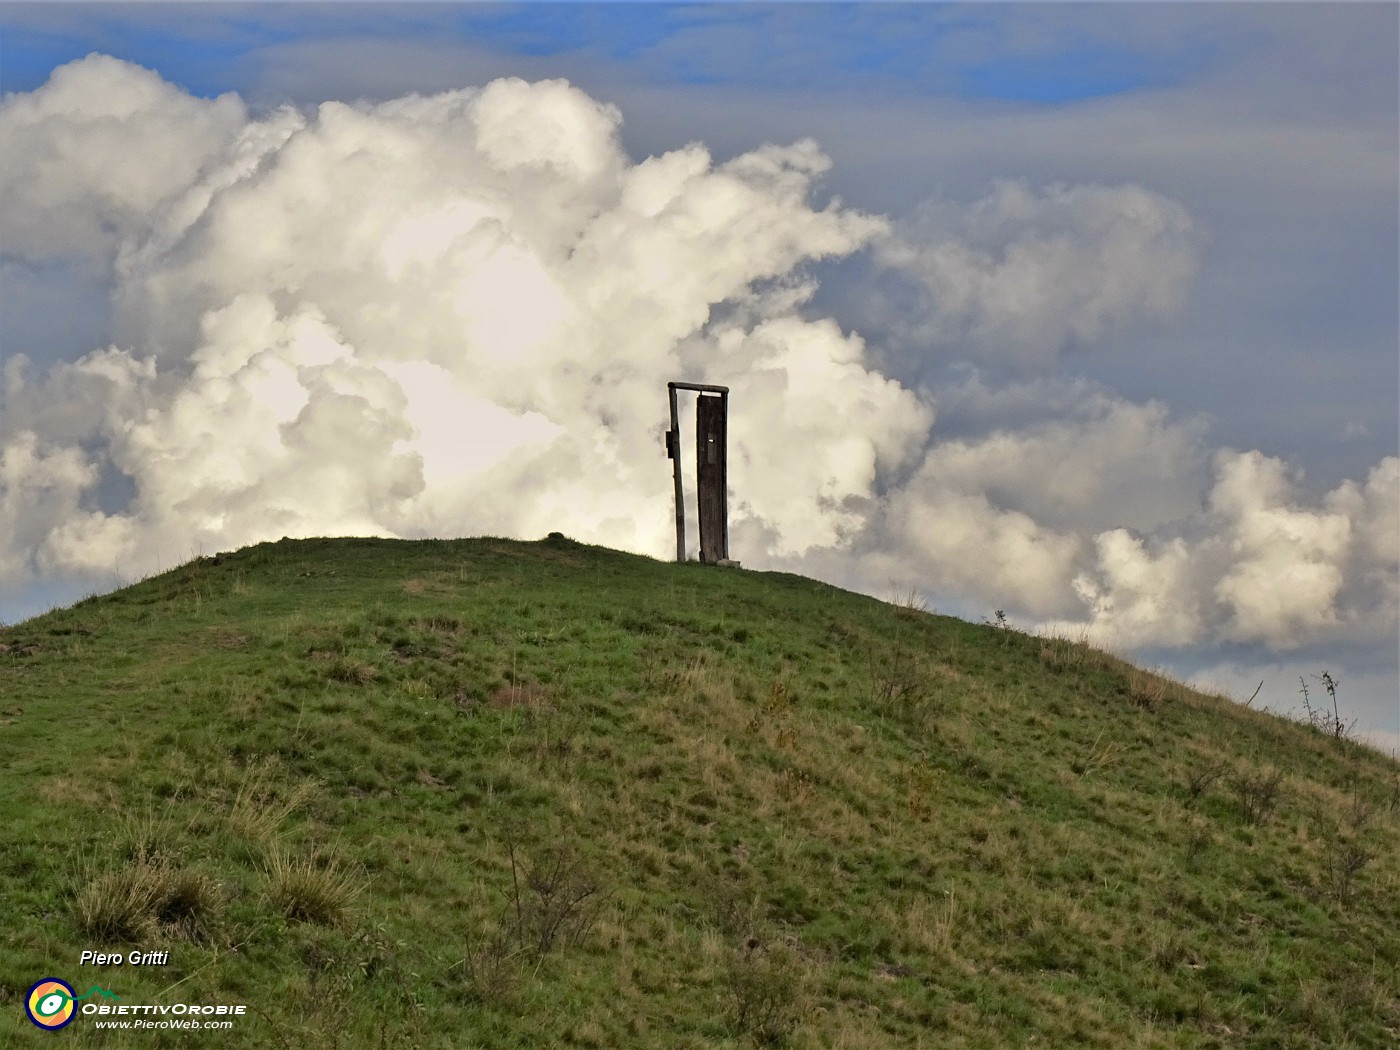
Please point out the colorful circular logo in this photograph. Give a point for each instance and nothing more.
(50, 1003)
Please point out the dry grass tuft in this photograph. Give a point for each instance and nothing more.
(119, 907)
(261, 806)
(134, 903)
(315, 888)
(1063, 654)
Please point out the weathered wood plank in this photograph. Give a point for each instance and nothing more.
(711, 422)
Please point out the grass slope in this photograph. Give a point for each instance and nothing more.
(501, 794)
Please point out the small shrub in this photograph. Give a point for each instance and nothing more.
(1099, 758)
(1258, 794)
(1065, 654)
(730, 901)
(920, 789)
(1359, 811)
(1198, 841)
(794, 785)
(907, 600)
(556, 899)
(899, 685)
(494, 965)
(554, 902)
(1344, 862)
(1345, 849)
(554, 734)
(260, 806)
(148, 839)
(1199, 779)
(1323, 721)
(779, 699)
(311, 888)
(764, 988)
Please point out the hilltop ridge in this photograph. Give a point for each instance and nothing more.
(486, 792)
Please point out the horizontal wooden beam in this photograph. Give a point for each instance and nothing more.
(702, 387)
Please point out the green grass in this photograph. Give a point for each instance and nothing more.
(484, 793)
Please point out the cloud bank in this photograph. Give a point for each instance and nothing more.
(1023, 274)
(455, 315)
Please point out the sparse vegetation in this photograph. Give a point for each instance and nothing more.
(591, 799)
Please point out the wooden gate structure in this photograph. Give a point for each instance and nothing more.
(711, 426)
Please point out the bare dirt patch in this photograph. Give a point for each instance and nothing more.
(521, 695)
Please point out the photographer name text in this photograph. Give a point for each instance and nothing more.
(117, 959)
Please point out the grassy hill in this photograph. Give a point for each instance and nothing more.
(500, 794)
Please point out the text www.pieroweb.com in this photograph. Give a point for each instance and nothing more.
(137, 1017)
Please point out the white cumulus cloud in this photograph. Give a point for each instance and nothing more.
(456, 314)
(1255, 565)
(446, 314)
(92, 154)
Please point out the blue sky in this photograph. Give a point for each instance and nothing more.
(1230, 169)
(904, 48)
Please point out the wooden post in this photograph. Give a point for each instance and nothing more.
(673, 449)
(710, 426)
